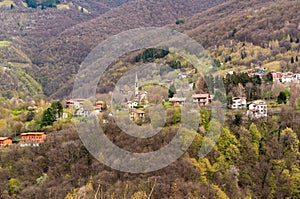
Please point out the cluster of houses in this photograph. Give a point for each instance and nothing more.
(77, 106)
(282, 77)
(285, 77)
(30, 139)
(200, 99)
(256, 109)
(257, 71)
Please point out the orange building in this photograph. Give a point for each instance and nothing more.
(5, 141)
(32, 139)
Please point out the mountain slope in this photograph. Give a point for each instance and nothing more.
(257, 22)
(16, 72)
(25, 29)
(62, 55)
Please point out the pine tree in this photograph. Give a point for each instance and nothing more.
(172, 91)
(48, 117)
(296, 59)
(292, 60)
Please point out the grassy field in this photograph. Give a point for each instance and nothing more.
(7, 3)
(63, 6)
(4, 44)
(272, 66)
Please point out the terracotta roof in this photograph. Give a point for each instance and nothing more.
(99, 102)
(138, 111)
(259, 102)
(206, 95)
(33, 133)
(4, 138)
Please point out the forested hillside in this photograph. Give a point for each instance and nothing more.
(252, 159)
(63, 54)
(254, 44)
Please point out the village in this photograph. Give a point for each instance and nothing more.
(135, 106)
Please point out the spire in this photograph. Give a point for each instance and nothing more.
(136, 86)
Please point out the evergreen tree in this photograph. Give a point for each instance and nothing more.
(172, 91)
(268, 77)
(296, 59)
(282, 98)
(31, 3)
(48, 117)
(292, 60)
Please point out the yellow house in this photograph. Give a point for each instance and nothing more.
(137, 115)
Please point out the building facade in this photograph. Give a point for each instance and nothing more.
(202, 99)
(239, 102)
(32, 139)
(257, 109)
(5, 141)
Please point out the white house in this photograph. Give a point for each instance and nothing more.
(287, 77)
(239, 102)
(77, 106)
(296, 76)
(181, 75)
(257, 109)
(132, 104)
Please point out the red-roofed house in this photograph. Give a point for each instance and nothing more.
(32, 139)
(5, 141)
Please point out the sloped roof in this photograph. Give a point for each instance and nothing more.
(4, 138)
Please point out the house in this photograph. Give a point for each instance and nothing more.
(137, 115)
(177, 101)
(182, 75)
(202, 99)
(77, 106)
(296, 77)
(257, 109)
(99, 106)
(287, 77)
(32, 139)
(5, 141)
(260, 71)
(276, 76)
(230, 72)
(132, 104)
(239, 102)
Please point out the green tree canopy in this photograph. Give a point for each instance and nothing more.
(48, 117)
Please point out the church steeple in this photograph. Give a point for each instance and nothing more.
(136, 86)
